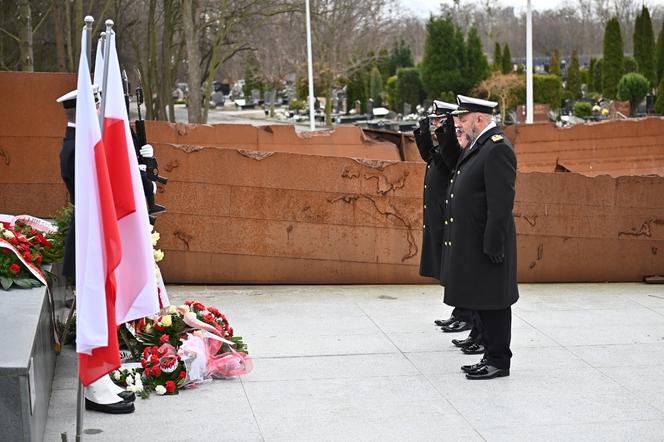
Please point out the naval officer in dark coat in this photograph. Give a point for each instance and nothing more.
(440, 160)
(479, 235)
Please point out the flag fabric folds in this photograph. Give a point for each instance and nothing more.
(137, 287)
(98, 244)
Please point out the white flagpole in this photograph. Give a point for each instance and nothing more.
(80, 396)
(310, 71)
(529, 64)
(107, 44)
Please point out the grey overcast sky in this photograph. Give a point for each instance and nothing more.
(422, 8)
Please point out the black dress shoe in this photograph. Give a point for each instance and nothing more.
(156, 209)
(463, 342)
(127, 396)
(473, 349)
(488, 372)
(473, 367)
(442, 322)
(456, 326)
(121, 407)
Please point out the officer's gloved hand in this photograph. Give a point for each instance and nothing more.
(497, 259)
(147, 151)
(423, 139)
(446, 134)
(424, 125)
(142, 167)
(449, 127)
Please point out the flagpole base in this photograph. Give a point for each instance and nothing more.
(79, 411)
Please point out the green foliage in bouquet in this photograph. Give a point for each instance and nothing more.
(62, 220)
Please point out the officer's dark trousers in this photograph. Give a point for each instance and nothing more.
(496, 335)
(462, 314)
(476, 331)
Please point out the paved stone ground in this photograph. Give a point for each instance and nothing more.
(366, 363)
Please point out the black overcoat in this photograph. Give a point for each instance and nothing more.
(478, 222)
(67, 164)
(440, 160)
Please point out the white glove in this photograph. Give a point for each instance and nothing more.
(142, 167)
(147, 151)
(154, 187)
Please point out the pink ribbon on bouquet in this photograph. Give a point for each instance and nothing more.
(232, 363)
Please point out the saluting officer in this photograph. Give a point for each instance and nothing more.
(440, 160)
(479, 235)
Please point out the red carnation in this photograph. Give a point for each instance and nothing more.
(170, 386)
(198, 306)
(156, 371)
(28, 256)
(164, 339)
(214, 311)
(209, 319)
(38, 258)
(188, 302)
(182, 375)
(14, 268)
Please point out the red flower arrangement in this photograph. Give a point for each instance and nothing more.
(162, 368)
(163, 371)
(24, 252)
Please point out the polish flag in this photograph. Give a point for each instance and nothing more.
(98, 246)
(137, 285)
(97, 78)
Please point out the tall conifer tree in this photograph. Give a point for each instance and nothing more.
(477, 66)
(497, 58)
(647, 63)
(441, 68)
(554, 64)
(612, 63)
(574, 76)
(507, 65)
(659, 55)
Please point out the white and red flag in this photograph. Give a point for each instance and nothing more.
(98, 246)
(137, 286)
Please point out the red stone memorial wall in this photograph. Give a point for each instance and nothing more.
(268, 205)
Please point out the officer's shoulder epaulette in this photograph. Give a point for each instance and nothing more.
(496, 138)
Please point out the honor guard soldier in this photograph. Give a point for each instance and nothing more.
(102, 395)
(479, 235)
